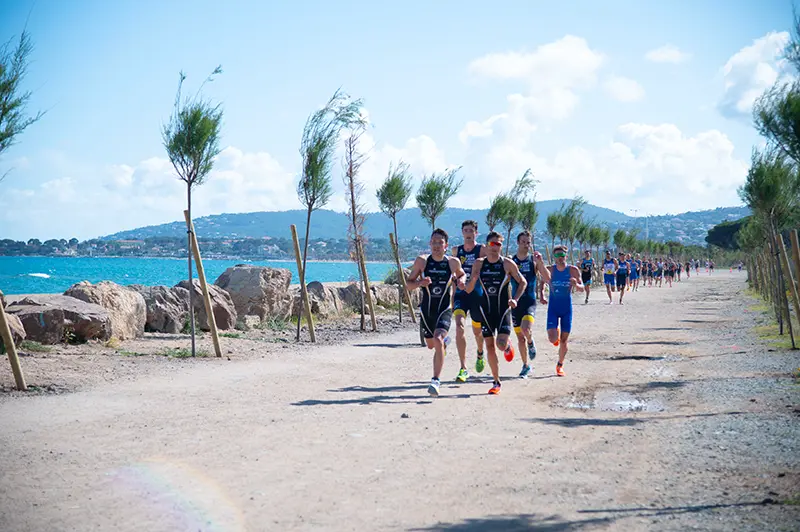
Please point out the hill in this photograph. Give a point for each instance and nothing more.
(689, 227)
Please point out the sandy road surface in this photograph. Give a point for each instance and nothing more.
(672, 417)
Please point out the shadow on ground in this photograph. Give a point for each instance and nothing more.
(519, 523)
(630, 421)
(644, 511)
(408, 345)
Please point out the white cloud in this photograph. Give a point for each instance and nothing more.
(750, 71)
(624, 89)
(667, 54)
(553, 74)
(145, 193)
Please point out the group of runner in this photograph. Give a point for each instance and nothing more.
(476, 283)
(498, 293)
(629, 272)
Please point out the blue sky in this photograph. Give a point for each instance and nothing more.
(584, 93)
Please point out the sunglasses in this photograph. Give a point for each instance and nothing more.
(495, 244)
(559, 254)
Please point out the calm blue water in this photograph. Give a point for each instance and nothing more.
(50, 275)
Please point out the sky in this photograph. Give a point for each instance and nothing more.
(641, 107)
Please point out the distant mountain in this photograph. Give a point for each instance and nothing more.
(689, 228)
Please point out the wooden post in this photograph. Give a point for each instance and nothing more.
(795, 256)
(11, 349)
(362, 264)
(790, 278)
(401, 275)
(201, 275)
(547, 250)
(303, 291)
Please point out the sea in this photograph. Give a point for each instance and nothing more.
(52, 275)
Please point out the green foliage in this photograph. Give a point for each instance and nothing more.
(14, 61)
(181, 352)
(396, 190)
(191, 137)
(619, 238)
(34, 347)
(554, 220)
(434, 193)
(725, 234)
(772, 189)
(276, 324)
(528, 214)
(231, 335)
(318, 147)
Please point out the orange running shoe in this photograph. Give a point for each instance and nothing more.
(495, 389)
(560, 370)
(509, 353)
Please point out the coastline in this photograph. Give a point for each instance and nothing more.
(289, 261)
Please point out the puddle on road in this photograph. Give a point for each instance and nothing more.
(614, 401)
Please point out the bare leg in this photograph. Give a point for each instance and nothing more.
(492, 357)
(437, 344)
(461, 339)
(562, 347)
(476, 330)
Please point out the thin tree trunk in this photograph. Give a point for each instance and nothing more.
(302, 278)
(189, 253)
(396, 251)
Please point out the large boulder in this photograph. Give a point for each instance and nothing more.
(392, 278)
(350, 296)
(385, 295)
(324, 300)
(126, 307)
(258, 290)
(221, 305)
(51, 319)
(167, 308)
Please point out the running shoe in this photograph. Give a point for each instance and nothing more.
(560, 370)
(480, 363)
(495, 389)
(525, 371)
(509, 353)
(531, 352)
(462, 375)
(433, 388)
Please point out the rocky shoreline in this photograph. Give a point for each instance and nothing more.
(244, 297)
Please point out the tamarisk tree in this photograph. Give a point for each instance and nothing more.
(191, 139)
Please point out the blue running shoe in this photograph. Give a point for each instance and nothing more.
(526, 369)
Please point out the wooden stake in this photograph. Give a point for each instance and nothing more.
(795, 256)
(547, 250)
(11, 349)
(303, 291)
(789, 277)
(201, 275)
(362, 264)
(401, 275)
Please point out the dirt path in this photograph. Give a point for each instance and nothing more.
(672, 416)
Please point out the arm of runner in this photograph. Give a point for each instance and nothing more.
(483, 251)
(513, 270)
(476, 272)
(415, 279)
(458, 273)
(542, 269)
(575, 278)
(542, 300)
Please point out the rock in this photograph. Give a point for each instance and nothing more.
(393, 279)
(17, 330)
(126, 307)
(221, 305)
(248, 323)
(167, 308)
(324, 300)
(48, 319)
(258, 290)
(385, 295)
(350, 296)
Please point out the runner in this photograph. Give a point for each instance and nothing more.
(463, 302)
(636, 272)
(623, 272)
(609, 269)
(687, 266)
(659, 273)
(669, 272)
(434, 274)
(563, 278)
(493, 272)
(587, 267)
(523, 316)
